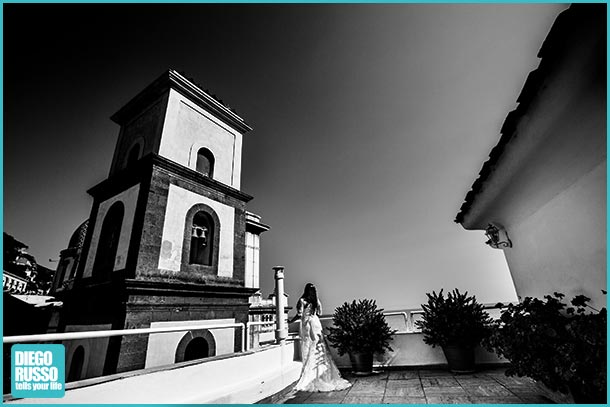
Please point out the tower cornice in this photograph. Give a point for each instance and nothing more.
(174, 80)
(151, 288)
(133, 175)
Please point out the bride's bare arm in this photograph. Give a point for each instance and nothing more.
(299, 311)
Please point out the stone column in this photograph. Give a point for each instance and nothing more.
(281, 332)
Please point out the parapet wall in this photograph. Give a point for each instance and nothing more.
(241, 378)
(409, 350)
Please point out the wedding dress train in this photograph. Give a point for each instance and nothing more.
(319, 371)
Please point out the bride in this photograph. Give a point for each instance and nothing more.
(319, 372)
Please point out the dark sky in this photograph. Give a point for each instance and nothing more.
(370, 124)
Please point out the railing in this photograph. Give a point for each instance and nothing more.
(411, 316)
(250, 324)
(245, 329)
(408, 346)
(69, 336)
(120, 332)
(407, 316)
(409, 320)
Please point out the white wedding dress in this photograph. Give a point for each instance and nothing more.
(319, 372)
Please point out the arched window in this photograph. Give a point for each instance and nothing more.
(196, 349)
(134, 154)
(195, 345)
(76, 366)
(205, 162)
(202, 239)
(108, 242)
(61, 273)
(72, 267)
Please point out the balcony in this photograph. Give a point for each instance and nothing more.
(412, 373)
(430, 386)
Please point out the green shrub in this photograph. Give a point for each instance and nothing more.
(360, 327)
(562, 346)
(458, 320)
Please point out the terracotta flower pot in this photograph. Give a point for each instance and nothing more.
(460, 360)
(362, 363)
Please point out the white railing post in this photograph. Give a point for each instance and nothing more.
(243, 337)
(281, 333)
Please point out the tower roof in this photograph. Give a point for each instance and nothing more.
(78, 237)
(172, 79)
(563, 34)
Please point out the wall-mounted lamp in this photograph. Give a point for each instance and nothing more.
(497, 237)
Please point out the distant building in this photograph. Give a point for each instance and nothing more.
(541, 196)
(21, 272)
(13, 283)
(169, 241)
(263, 310)
(19, 267)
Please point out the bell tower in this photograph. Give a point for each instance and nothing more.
(166, 238)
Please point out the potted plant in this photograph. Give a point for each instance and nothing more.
(560, 346)
(457, 324)
(360, 330)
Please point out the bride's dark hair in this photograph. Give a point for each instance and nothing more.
(310, 295)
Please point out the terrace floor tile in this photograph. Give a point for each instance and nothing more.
(496, 400)
(403, 375)
(524, 390)
(536, 400)
(429, 386)
(468, 380)
(409, 391)
(368, 388)
(439, 381)
(513, 380)
(487, 390)
(403, 383)
(434, 373)
(403, 400)
(448, 400)
(362, 399)
(317, 398)
(445, 391)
